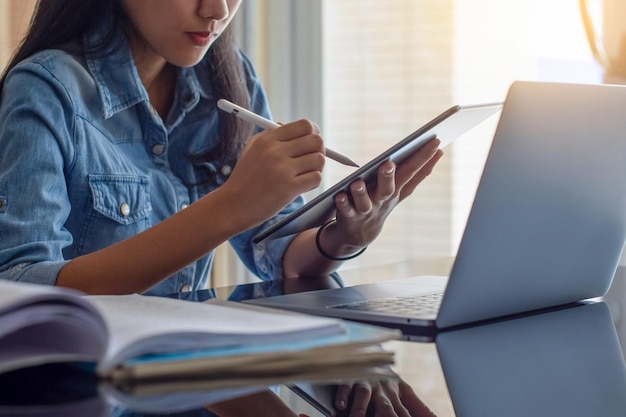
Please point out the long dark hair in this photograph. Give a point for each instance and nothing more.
(56, 23)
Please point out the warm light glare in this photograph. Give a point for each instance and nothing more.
(401, 64)
(558, 31)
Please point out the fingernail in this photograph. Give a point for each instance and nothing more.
(389, 171)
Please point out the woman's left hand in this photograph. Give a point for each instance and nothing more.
(384, 398)
(380, 398)
(361, 216)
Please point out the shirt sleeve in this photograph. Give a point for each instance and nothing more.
(35, 151)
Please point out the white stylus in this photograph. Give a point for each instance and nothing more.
(260, 121)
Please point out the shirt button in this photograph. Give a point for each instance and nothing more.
(124, 209)
(158, 149)
(184, 206)
(185, 288)
(226, 170)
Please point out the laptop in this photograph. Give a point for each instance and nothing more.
(546, 228)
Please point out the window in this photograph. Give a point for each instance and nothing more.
(381, 70)
(14, 17)
(389, 69)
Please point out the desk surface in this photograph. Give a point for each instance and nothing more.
(566, 362)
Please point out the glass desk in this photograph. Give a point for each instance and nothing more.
(566, 362)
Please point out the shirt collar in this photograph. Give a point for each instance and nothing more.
(195, 80)
(117, 79)
(114, 70)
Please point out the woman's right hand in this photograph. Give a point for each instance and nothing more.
(275, 167)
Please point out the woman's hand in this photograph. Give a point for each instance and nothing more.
(275, 167)
(384, 398)
(260, 404)
(361, 216)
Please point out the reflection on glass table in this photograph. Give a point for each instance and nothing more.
(561, 363)
(51, 391)
(67, 390)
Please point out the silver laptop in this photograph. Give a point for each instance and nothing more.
(547, 226)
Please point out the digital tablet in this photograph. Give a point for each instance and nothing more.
(319, 396)
(449, 125)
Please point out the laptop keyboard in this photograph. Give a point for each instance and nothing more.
(404, 306)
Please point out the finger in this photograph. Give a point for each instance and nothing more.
(302, 145)
(342, 395)
(306, 163)
(296, 174)
(299, 128)
(413, 403)
(385, 186)
(399, 408)
(386, 401)
(307, 181)
(384, 408)
(344, 207)
(415, 162)
(361, 395)
(360, 198)
(425, 171)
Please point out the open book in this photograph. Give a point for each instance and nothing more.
(134, 338)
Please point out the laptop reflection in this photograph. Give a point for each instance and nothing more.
(562, 363)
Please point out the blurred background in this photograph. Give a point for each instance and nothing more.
(370, 72)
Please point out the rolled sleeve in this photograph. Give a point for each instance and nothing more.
(265, 259)
(36, 273)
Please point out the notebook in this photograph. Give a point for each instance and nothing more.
(546, 228)
(447, 126)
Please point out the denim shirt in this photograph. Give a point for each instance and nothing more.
(85, 162)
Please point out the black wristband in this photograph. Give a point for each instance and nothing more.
(326, 255)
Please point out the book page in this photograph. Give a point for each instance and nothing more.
(42, 324)
(143, 324)
(16, 294)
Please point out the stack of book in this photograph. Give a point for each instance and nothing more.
(150, 346)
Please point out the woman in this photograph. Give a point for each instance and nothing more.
(118, 174)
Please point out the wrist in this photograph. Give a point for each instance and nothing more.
(334, 252)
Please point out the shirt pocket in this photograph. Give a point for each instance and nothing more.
(122, 198)
(119, 208)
